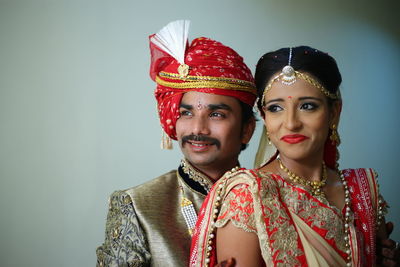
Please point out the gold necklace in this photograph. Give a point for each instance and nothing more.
(316, 191)
(316, 186)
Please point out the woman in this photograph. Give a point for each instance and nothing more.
(297, 209)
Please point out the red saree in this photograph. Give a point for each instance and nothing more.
(294, 228)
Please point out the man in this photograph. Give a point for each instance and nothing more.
(388, 250)
(205, 95)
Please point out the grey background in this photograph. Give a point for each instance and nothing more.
(78, 118)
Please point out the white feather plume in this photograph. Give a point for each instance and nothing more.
(173, 39)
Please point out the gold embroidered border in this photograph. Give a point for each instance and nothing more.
(205, 82)
(197, 176)
(176, 76)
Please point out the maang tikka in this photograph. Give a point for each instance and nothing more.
(289, 75)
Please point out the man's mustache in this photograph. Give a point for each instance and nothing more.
(200, 138)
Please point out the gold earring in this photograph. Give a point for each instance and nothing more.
(269, 139)
(334, 137)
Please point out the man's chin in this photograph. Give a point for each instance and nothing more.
(201, 162)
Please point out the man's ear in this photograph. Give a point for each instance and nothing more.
(248, 130)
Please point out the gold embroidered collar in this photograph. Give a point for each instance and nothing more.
(196, 175)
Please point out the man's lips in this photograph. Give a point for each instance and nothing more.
(294, 138)
(193, 143)
(199, 146)
(200, 141)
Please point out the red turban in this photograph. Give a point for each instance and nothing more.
(210, 67)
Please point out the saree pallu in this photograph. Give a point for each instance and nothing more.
(294, 228)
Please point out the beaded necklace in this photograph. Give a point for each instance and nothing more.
(347, 218)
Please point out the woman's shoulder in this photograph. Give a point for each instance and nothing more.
(359, 173)
(364, 188)
(362, 180)
(238, 176)
(250, 178)
(247, 175)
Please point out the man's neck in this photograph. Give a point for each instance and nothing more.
(214, 173)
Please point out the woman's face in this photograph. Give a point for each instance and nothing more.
(297, 118)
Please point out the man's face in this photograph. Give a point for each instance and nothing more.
(210, 131)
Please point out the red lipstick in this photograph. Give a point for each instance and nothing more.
(294, 138)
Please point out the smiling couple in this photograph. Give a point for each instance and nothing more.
(297, 209)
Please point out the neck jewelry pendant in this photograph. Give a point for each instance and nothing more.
(187, 208)
(188, 212)
(316, 186)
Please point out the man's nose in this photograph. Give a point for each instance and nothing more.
(200, 126)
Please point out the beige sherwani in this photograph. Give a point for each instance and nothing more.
(145, 226)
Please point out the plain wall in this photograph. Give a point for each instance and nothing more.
(78, 117)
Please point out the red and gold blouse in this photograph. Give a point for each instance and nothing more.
(294, 227)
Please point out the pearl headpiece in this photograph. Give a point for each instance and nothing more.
(289, 75)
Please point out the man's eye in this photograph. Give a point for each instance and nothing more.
(309, 106)
(273, 108)
(185, 113)
(217, 115)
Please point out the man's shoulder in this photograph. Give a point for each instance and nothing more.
(155, 197)
(160, 184)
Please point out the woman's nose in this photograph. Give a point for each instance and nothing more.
(292, 121)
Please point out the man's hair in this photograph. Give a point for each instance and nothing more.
(247, 115)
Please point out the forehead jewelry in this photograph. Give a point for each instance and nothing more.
(289, 75)
(199, 105)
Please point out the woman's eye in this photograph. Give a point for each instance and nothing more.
(273, 108)
(309, 106)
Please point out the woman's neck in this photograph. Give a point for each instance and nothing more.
(308, 169)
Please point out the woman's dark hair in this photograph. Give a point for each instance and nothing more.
(320, 65)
